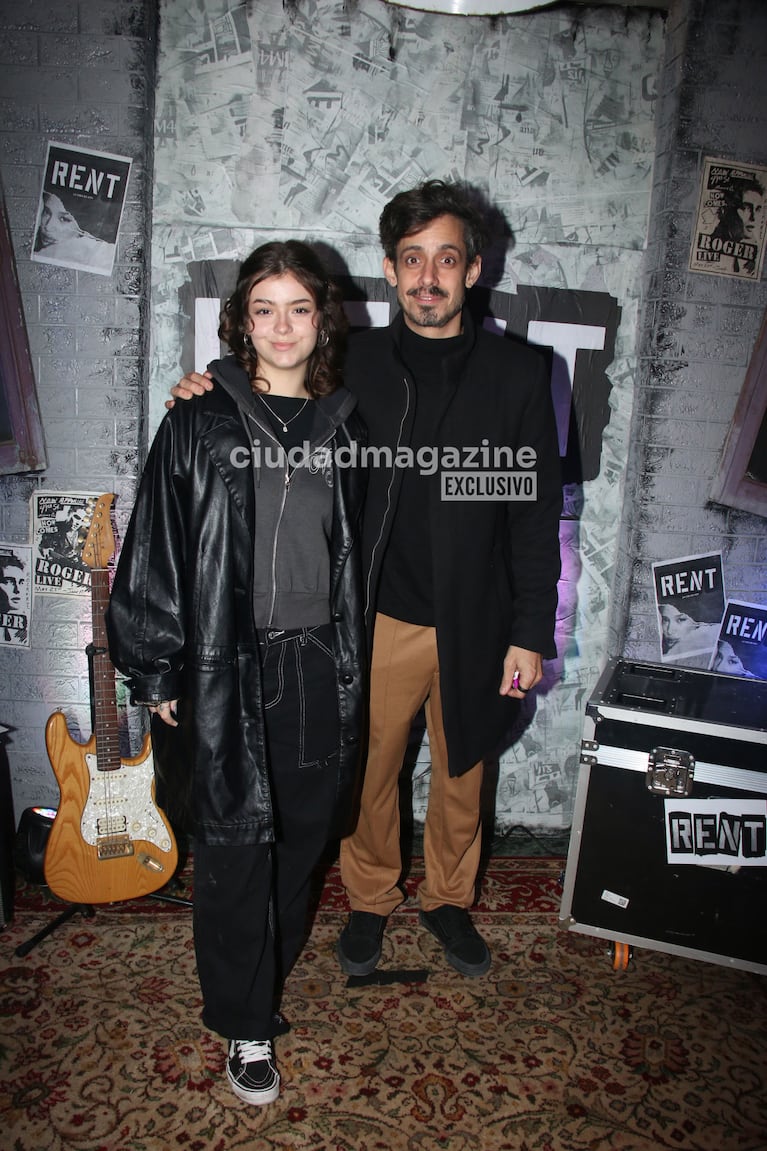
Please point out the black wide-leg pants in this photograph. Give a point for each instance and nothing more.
(250, 902)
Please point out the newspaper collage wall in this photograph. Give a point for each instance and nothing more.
(303, 119)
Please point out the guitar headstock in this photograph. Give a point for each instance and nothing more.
(99, 543)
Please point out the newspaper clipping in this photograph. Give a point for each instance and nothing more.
(689, 596)
(60, 523)
(80, 209)
(15, 594)
(742, 645)
(731, 220)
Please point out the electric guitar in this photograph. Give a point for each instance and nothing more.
(109, 841)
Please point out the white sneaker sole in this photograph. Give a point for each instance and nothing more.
(255, 1098)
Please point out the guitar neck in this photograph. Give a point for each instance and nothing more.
(104, 696)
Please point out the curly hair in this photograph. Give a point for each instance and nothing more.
(409, 212)
(276, 259)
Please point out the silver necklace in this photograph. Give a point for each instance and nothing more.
(279, 419)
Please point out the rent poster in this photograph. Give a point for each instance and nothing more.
(730, 224)
(727, 831)
(80, 209)
(689, 597)
(741, 648)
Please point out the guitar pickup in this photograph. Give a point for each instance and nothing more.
(113, 825)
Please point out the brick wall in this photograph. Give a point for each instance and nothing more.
(79, 73)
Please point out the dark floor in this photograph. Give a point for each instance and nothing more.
(520, 841)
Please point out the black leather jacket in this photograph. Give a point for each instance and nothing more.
(180, 621)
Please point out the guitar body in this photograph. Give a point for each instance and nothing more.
(109, 841)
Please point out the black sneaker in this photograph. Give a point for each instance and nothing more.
(359, 944)
(465, 949)
(250, 1070)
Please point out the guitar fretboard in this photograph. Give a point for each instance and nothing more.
(104, 698)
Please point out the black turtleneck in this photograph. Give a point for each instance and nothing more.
(406, 590)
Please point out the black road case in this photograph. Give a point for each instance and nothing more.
(667, 849)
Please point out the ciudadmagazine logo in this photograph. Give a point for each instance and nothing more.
(478, 472)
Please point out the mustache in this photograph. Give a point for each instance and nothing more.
(431, 289)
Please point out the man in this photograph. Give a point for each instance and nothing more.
(739, 227)
(63, 542)
(461, 595)
(750, 210)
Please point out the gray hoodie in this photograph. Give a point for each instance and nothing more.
(294, 505)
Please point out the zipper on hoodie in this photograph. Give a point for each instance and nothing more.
(286, 484)
(285, 491)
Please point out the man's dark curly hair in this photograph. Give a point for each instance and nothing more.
(408, 212)
(275, 259)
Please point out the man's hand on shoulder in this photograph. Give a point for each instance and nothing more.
(193, 384)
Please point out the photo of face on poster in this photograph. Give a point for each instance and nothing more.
(689, 597)
(15, 594)
(741, 648)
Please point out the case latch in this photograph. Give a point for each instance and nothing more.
(670, 771)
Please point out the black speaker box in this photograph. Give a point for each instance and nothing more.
(7, 823)
(34, 828)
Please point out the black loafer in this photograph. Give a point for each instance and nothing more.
(465, 949)
(359, 944)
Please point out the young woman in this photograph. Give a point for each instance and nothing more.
(237, 616)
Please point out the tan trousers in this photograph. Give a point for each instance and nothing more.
(404, 676)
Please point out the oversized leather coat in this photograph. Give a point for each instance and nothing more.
(181, 625)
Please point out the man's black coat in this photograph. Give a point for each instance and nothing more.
(495, 563)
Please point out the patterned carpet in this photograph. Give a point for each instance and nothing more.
(101, 1048)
